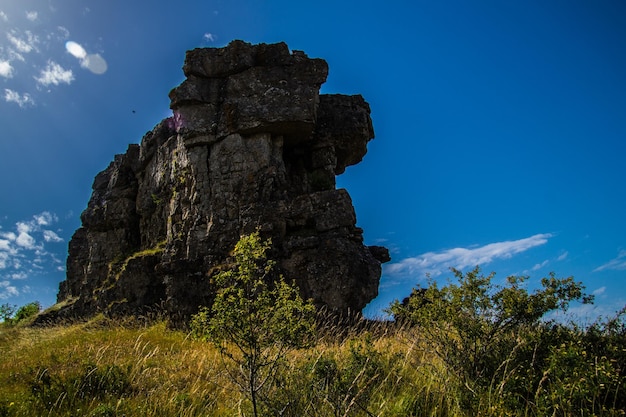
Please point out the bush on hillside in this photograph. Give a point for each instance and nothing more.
(506, 353)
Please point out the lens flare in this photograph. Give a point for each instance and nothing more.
(93, 62)
(75, 49)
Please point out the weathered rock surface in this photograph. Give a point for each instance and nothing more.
(252, 144)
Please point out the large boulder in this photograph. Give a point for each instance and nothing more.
(251, 146)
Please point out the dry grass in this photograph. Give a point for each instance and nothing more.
(170, 374)
(106, 368)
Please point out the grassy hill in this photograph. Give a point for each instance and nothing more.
(130, 368)
(117, 368)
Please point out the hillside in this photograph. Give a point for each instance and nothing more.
(135, 368)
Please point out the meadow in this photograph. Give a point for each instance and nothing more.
(140, 367)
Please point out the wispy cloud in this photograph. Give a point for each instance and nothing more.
(23, 249)
(25, 241)
(437, 263)
(25, 43)
(50, 236)
(45, 219)
(3, 16)
(617, 264)
(7, 290)
(537, 267)
(54, 74)
(22, 100)
(6, 70)
(209, 37)
(63, 32)
(563, 256)
(599, 291)
(32, 16)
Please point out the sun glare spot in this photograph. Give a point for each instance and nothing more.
(93, 62)
(75, 49)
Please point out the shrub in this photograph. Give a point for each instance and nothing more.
(6, 312)
(259, 318)
(486, 334)
(27, 312)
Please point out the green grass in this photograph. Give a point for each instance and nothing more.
(126, 368)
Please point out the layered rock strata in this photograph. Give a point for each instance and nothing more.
(252, 145)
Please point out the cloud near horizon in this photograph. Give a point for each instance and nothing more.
(437, 263)
(24, 251)
(617, 264)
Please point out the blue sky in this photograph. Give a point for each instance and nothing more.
(500, 125)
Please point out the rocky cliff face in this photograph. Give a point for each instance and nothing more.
(252, 145)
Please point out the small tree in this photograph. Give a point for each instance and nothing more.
(13, 315)
(481, 330)
(255, 319)
(27, 311)
(6, 311)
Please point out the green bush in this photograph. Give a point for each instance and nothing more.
(585, 371)
(6, 312)
(260, 318)
(27, 312)
(491, 337)
(12, 315)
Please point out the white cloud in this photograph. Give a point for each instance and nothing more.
(436, 263)
(25, 240)
(563, 256)
(45, 218)
(209, 37)
(22, 100)
(539, 266)
(7, 290)
(19, 276)
(8, 235)
(50, 236)
(54, 74)
(617, 264)
(23, 227)
(25, 45)
(13, 55)
(32, 16)
(63, 32)
(599, 291)
(5, 245)
(4, 258)
(3, 16)
(585, 314)
(6, 70)
(23, 250)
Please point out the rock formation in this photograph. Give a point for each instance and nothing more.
(251, 145)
